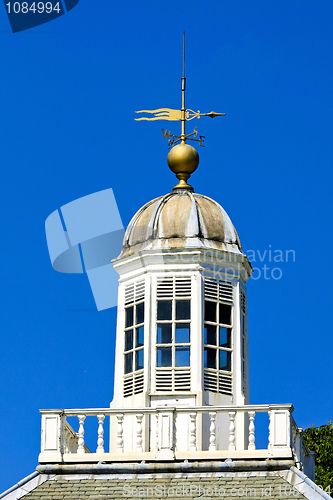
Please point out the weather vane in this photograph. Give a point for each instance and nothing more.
(176, 115)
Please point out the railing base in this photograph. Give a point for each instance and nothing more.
(70, 458)
(166, 467)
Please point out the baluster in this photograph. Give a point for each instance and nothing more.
(193, 431)
(64, 446)
(157, 446)
(174, 431)
(212, 431)
(139, 417)
(100, 432)
(252, 445)
(120, 432)
(80, 442)
(232, 416)
(270, 430)
(66, 438)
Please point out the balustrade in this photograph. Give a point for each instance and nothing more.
(152, 431)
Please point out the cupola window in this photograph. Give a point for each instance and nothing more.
(218, 336)
(134, 338)
(173, 334)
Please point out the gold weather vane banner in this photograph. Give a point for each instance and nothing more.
(173, 115)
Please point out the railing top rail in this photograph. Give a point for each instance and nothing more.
(184, 409)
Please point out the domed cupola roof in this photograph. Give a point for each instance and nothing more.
(181, 220)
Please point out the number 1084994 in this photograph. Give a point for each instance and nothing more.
(34, 8)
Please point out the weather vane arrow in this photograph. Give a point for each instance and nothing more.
(183, 115)
(173, 115)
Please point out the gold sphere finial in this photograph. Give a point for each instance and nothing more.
(183, 160)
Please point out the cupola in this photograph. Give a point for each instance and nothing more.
(182, 318)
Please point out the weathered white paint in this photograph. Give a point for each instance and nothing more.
(51, 433)
(182, 215)
(171, 438)
(196, 265)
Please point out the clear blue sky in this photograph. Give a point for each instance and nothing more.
(69, 90)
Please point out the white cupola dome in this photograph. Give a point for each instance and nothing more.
(181, 220)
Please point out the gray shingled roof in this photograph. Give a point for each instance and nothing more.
(228, 486)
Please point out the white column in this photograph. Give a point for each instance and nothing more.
(139, 417)
(120, 432)
(212, 431)
(252, 445)
(80, 442)
(232, 416)
(193, 431)
(100, 439)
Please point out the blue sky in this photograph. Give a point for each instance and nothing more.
(69, 91)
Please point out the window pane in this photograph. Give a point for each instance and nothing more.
(129, 340)
(182, 357)
(210, 311)
(129, 316)
(129, 362)
(210, 334)
(139, 336)
(225, 314)
(225, 337)
(225, 360)
(139, 359)
(210, 358)
(164, 356)
(182, 333)
(183, 309)
(140, 313)
(164, 333)
(164, 309)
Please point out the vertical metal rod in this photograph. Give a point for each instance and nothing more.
(184, 54)
(183, 111)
